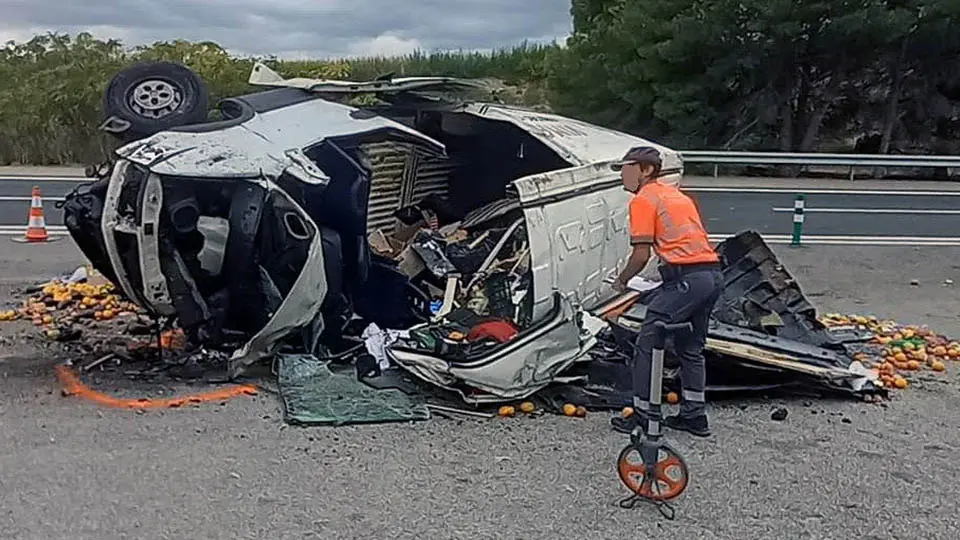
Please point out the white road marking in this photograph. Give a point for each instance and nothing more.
(4, 198)
(40, 179)
(933, 211)
(19, 230)
(818, 191)
(829, 240)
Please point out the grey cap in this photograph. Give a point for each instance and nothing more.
(639, 154)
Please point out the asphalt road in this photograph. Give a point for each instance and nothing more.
(71, 470)
(870, 215)
(832, 216)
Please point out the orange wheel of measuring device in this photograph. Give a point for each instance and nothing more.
(669, 480)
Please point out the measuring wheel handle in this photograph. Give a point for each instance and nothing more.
(661, 331)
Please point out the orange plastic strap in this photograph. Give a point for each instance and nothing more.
(73, 386)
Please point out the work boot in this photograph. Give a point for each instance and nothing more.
(628, 424)
(694, 425)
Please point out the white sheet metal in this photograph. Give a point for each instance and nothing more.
(258, 145)
(577, 228)
(520, 369)
(261, 75)
(578, 142)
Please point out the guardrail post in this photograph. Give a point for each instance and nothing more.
(797, 220)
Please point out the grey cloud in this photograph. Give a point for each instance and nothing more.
(330, 27)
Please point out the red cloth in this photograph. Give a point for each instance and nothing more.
(499, 330)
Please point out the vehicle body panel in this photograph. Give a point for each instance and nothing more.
(261, 75)
(299, 310)
(578, 142)
(258, 146)
(515, 370)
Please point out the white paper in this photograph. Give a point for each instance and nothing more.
(641, 284)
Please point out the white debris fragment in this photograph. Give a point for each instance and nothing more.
(78, 275)
(376, 340)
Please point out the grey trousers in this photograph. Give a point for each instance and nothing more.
(686, 298)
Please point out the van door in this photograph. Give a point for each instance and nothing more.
(577, 227)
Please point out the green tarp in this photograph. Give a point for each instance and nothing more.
(312, 394)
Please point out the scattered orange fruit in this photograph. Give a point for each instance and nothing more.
(626, 412)
(569, 409)
(673, 398)
(506, 411)
(900, 382)
(581, 411)
(527, 407)
(913, 365)
(938, 366)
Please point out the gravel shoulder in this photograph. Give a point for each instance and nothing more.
(830, 470)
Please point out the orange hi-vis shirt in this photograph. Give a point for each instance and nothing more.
(662, 215)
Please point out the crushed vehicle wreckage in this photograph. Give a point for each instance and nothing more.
(466, 243)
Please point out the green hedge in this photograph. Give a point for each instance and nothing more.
(51, 87)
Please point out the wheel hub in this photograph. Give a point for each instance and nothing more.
(155, 98)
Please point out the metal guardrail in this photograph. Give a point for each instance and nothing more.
(713, 157)
(818, 159)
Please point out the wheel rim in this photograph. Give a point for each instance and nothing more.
(670, 478)
(155, 98)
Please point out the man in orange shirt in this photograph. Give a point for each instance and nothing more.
(665, 219)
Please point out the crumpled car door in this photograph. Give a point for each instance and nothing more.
(513, 370)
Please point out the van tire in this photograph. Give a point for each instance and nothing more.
(155, 96)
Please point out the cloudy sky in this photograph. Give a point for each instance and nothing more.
(298, 28)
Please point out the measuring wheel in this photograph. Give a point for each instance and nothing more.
(668, 480)
(651, 469)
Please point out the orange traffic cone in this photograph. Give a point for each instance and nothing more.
(36, 225)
